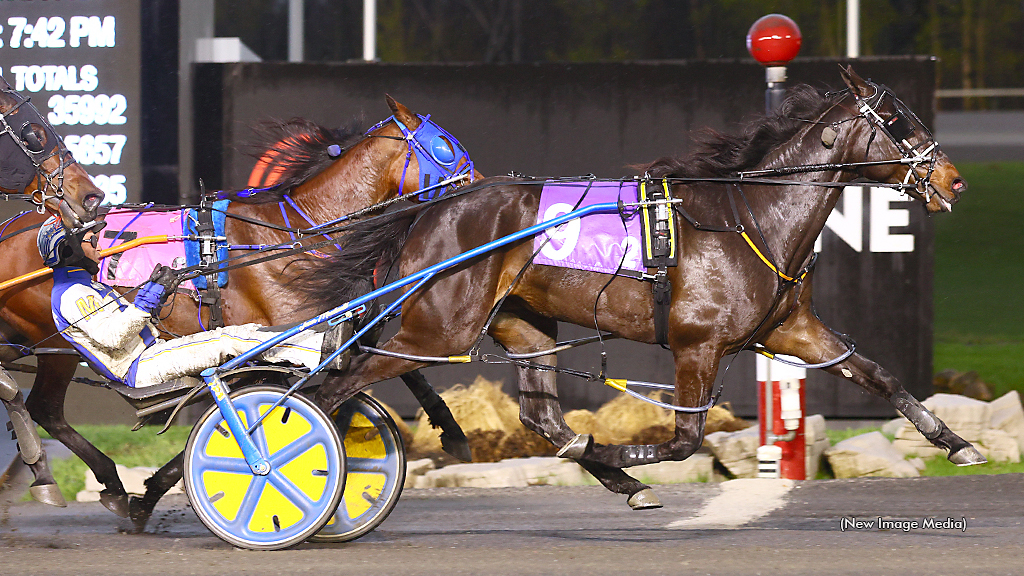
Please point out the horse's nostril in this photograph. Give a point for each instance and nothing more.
(958, 186)
(92, 201)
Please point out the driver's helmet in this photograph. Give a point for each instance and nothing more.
(52, 243)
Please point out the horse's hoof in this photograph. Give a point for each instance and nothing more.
(645, 499)
(577, 447)
(138, 514)
(116, 502)
(457, 447)
(967, 456)
(48, 494)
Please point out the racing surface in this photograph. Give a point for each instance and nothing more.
(739, 527)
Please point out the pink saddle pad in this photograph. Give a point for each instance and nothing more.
(133, 267)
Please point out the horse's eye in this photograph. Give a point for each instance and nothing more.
(441, 150)
(33, 137)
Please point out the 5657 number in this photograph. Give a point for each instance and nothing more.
(101, 149)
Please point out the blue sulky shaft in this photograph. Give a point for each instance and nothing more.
(413, 278)
(251, 453)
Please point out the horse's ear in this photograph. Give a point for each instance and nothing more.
(855, 82)
(403, 114)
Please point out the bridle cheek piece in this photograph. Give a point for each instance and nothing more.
(898, 128)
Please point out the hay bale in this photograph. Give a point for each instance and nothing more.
(482, 406)
(625, 417)
(581, 421)
(721, 419)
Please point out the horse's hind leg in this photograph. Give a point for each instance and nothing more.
(46, 405)
(540, 412)
(140, 509)
(30, 447)
(453, 439)
(805, 336)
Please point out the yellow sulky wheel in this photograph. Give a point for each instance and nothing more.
(375, 458)
(294, 500)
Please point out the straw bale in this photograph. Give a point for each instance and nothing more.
(481, 406)
(581, 421)
(624, 417)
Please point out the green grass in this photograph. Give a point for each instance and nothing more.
(979, 277)
(131, 449)
(939, 466)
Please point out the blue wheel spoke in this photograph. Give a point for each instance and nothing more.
(342, 523)
(249, 503)
(221, 464)
(292, 493)
(298, 447)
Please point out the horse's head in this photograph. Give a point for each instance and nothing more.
(35, 161)
(903, 147)
(430, 161)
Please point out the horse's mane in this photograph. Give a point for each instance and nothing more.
(720, 155)
(295, 150)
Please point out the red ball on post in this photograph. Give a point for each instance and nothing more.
(774, 40)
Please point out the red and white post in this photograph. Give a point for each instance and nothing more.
(780, 396)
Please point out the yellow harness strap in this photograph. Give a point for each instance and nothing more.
(768, 263)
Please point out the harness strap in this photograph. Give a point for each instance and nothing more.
(768, 263)
(659, 251)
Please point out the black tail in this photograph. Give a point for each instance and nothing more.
(369, 248)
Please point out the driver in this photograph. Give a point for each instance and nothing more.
(119, 339)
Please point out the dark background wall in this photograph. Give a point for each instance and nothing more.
(571, 119)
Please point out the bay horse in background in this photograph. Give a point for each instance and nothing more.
(327, 174)
(35, 162)
(730, 290)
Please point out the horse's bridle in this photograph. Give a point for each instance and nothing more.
(437, 151)
(898, 127)
(22, 162)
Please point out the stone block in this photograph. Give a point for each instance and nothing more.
(817, 443)
(965, 416)
(511, 473)
(869, 454)
(998, 446)
(415, 468)
(1008, 416)
(133, 480)
(893, 426)
(737, 451)
(697, 468)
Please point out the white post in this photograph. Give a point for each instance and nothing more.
(296, 38)
(369, 30)
(852, 28)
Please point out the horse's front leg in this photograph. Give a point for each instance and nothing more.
(540, 411)
(46, 405)
(695, 371)
(30, 447)
(803, 335)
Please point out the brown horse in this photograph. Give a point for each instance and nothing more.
(34, 161)
(370, 169)
(726, 296)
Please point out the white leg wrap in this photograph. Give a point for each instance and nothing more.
(8, 387)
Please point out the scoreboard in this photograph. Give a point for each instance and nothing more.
(80, 63)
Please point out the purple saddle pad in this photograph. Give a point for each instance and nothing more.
(596, 242)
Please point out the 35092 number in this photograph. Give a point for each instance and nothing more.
(86, 109)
